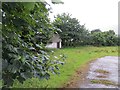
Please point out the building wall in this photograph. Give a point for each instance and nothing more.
(60, 45)
(52, 45)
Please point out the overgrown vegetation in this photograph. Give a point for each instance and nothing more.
(26, 29)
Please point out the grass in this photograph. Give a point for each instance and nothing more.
(105, 82)
(101, 71)
(76, 57)
(101, 76)
(0, 83)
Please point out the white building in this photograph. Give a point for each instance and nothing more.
(55, 42)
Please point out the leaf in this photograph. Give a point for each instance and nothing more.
(28, 5)
(57, 2)
(4, 64)
(56, 67)
(47, 76)
(26, 75)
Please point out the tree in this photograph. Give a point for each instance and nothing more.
(106, 38)
(95, 30)
(26, 29)
(110, 38)
(72, 33)
(118, 40)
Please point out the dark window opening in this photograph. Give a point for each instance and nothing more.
(58, 44)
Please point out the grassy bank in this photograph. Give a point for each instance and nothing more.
(76, 57)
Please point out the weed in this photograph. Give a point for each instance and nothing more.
(105, 82)
(102, 71)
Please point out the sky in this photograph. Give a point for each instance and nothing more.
(95, 14)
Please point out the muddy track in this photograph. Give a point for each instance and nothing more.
(101, 73)
(79, 77)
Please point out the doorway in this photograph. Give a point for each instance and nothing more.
(58, 44)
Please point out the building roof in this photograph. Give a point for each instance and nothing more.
(55, 38)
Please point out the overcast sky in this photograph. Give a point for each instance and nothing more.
(95, 14)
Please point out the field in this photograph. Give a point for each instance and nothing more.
(76, 58)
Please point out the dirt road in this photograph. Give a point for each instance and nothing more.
(103, 73)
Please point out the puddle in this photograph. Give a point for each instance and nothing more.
(103, 69)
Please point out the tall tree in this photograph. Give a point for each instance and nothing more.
(95, 30)
(72, 33)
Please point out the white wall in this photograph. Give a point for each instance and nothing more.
(60, 45)
(52, 45)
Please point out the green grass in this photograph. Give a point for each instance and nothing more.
(0, 83)
(102, 71)
(105, 82)
(76, 57)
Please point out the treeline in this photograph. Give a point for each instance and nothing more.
(74, 34)
(106, 38)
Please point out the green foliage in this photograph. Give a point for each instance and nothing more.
(107, 38)
(72, 33)
(57, 1)
(96, 30)
(26, 29)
